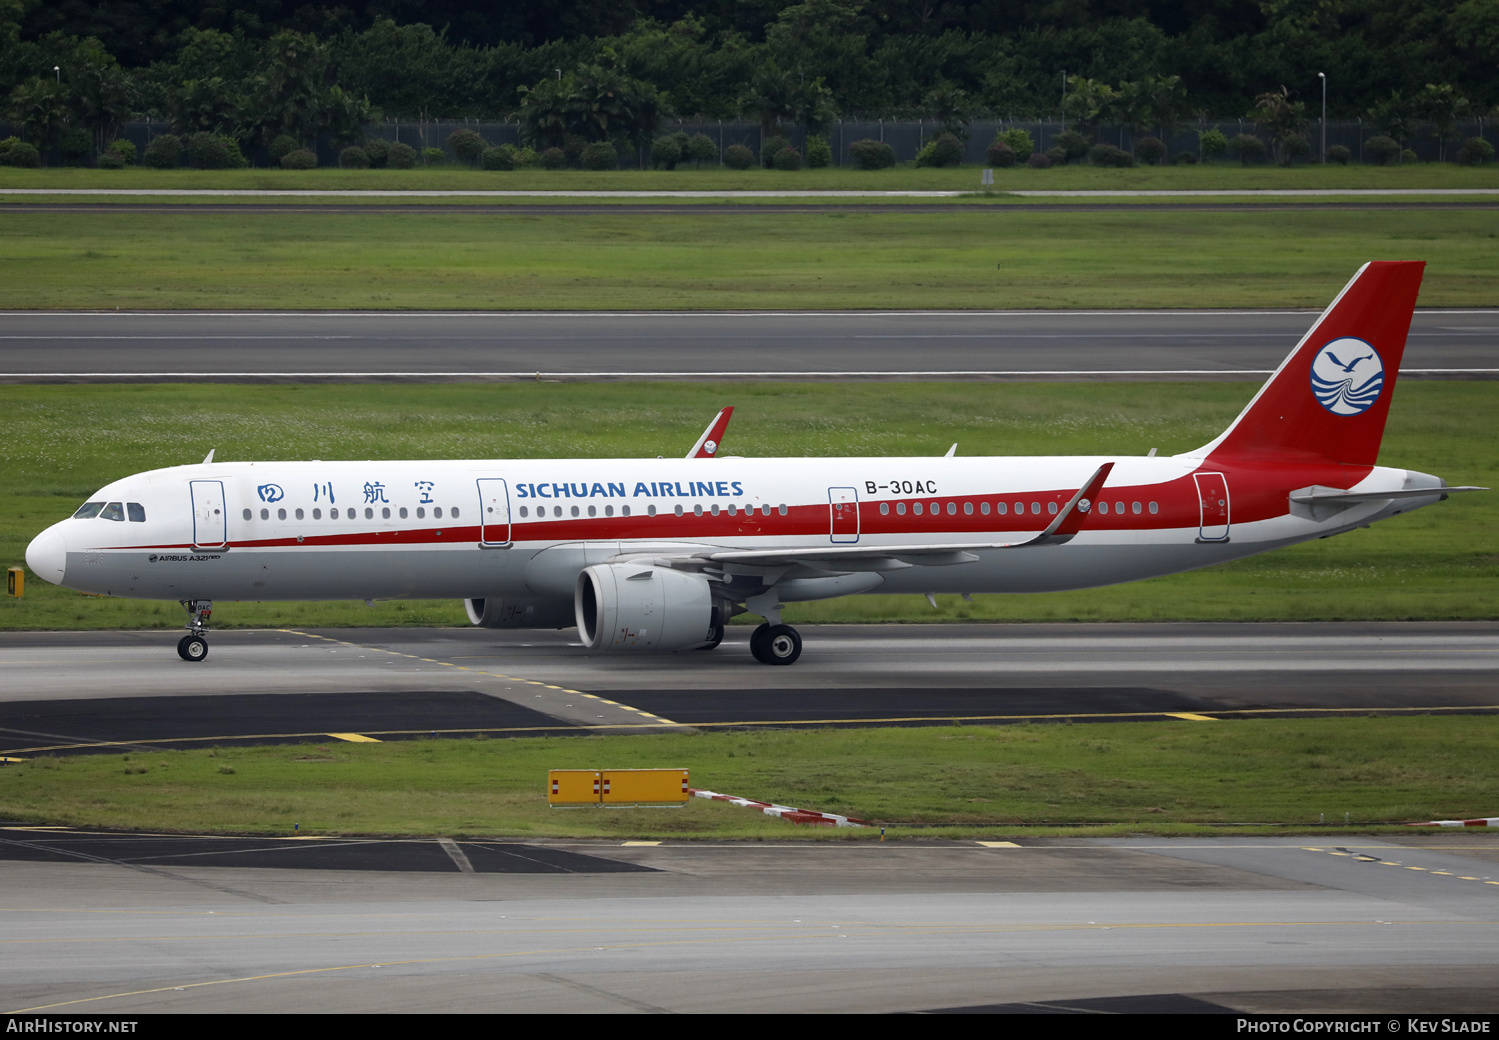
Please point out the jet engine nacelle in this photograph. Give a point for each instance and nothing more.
(509, 612)
(638, 606)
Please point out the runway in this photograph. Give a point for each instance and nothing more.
(101, 691)
(362, 346)
(101, 926)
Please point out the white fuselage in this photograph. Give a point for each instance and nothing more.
(366, 530)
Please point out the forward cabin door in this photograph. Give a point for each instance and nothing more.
(1212, 494)
(209, 531)
(843, 505)
(494, 513)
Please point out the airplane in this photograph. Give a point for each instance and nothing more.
(657, 555)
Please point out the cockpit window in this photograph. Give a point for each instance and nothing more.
(136, 512)
(113, 511)
(88, 510)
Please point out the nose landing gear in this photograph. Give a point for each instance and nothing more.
(194, 645)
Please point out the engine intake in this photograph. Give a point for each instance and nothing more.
(639, 606)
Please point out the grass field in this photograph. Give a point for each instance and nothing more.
(61, 443)
(826, 260)
(1227, 176)
(1162, 777)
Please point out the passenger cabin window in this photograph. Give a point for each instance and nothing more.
(136, 511)
(113, 511)
(88, 510)
(246, 514)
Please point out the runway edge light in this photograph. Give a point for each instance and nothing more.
(15, 582)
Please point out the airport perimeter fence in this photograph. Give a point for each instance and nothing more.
(906, 136)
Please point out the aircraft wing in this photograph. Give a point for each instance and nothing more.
(1062, 528)
(707, 445)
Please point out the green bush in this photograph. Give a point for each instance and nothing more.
(1185, 159)
(1019, 141)
(1039, 161)
(788, 158)
(1474, 152)
(215, 152)
(738, 157)
(354, 158)
(944, 150)
(1108, 155)
(600, 155)
(498, 158)
(1057, 154)
(111, 161)
(1339, 154)
(769, 147)
(1247, 147)
(16, 152)
(377, 150)
(164, 152)
(402, 156)
(467, 145)
(572, 149)
(433, 156)
(872, 155)
(1213, 144)
(666, 152)
(1150, 150)
(124, 148)
(75, 145)
(299, 159)
(1073, 144)
(1408, 156)
(701, 149)
(1381, 150)
(553, 159)
(527, 159)
(1001, 154)
(819, 153)
(1293, 147)
(282, 146)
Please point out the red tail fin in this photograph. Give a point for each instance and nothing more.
(1330, 397)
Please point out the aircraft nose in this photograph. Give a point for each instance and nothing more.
(47, 555)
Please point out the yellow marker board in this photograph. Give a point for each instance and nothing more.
(573, 787)
(15, 581)
(617, 787)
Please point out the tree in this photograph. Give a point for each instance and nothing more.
(40, 106)
(1393, 116)
(545, 112)
(950, 106)
(1087, 104)
(289, 91)
(202, 104)
(1280, 119)
(1443, 106)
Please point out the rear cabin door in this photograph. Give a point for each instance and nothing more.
(208, 514)
(1212, 494)
(843, 505)
(494, 513)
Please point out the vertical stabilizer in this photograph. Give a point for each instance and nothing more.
(1329, 398)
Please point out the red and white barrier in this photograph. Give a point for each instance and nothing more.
(1482, 821)
(785, 812)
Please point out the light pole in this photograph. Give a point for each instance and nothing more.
(1323, 77)
(57, 71)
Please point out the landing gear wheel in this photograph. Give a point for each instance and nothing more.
(192, 648)
(776, 644)
(714, 638)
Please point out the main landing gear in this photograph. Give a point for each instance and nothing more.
(194, 645)
(776, 644)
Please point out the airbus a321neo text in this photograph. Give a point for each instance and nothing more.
(657, 554)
